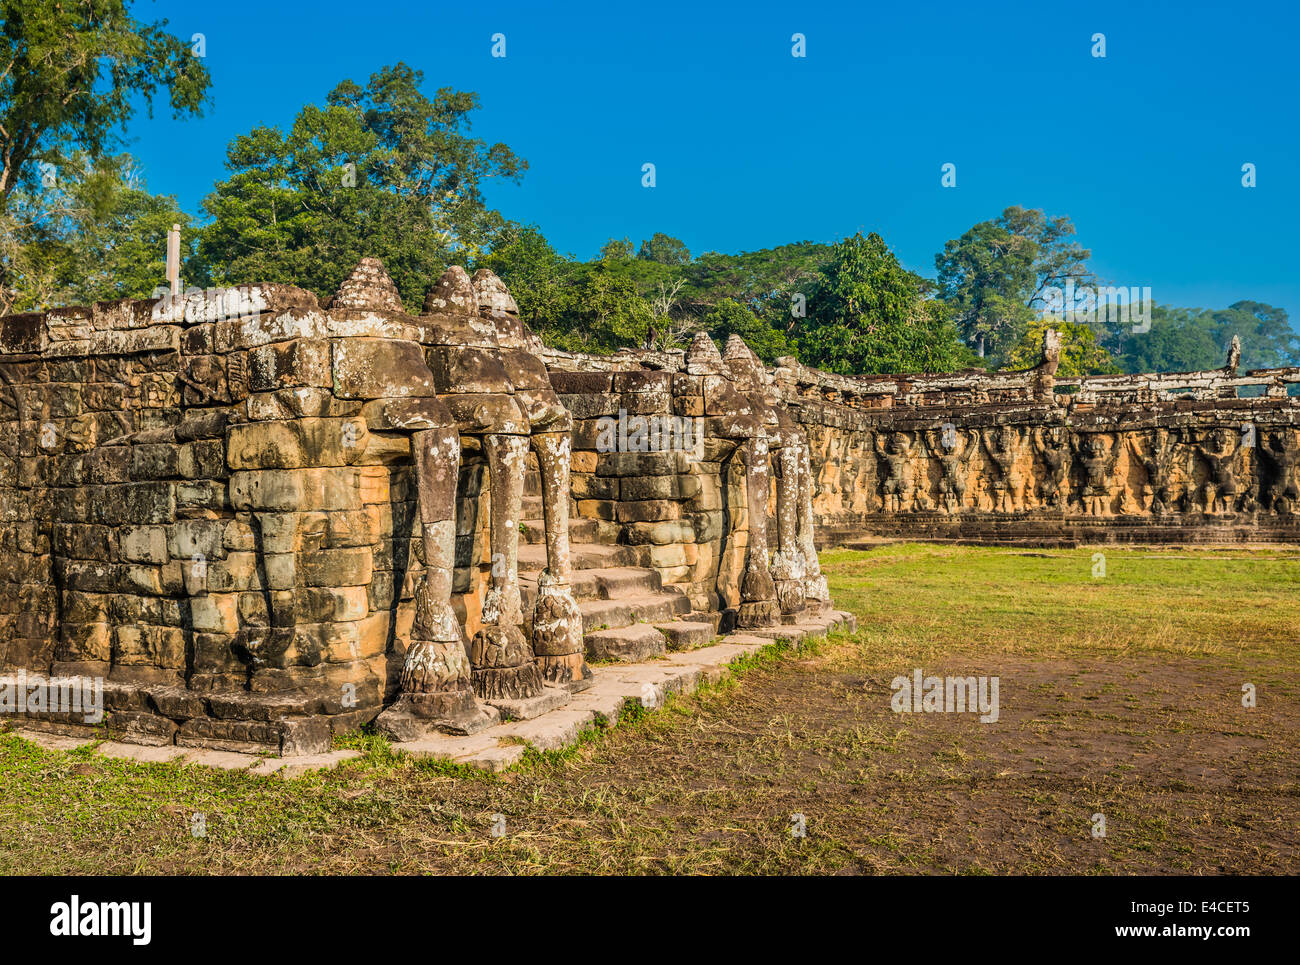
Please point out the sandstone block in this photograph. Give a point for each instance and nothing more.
(143, 544)
(340, 567)
(191, 538)
(215, 613)
(296, 443)
(649, 510)
(379, 368)
(301, 490)
(659, 533)
(299, 362)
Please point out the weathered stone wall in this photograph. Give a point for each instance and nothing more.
(192, 512)
(1025, 456)
(261, 520)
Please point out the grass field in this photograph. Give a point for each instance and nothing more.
(1120, 695)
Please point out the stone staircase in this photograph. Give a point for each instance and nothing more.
(628, 615)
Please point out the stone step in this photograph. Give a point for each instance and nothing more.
(582, 556)
(615, 583)
(605, 583)
(581, 530)
(644, 608)
(631, 644)
(684, 635)
(712, 617)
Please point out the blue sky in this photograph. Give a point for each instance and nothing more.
(1142, 150)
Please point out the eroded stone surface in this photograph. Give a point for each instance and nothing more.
(274, 521)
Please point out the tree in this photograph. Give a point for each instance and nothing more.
(1081, 354)
(541, 280)
(1180, 340)
(1058, 257)
(765, 281)
(380, 170)
(665, 250)
(616, 249)
(868, 314)
(94, 233)
(608, 313)
(995, 274)
(1267, 339)
(72, 76)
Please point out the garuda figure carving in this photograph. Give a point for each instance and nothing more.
(1157, 460)
(900, 480)
(1053, 447)
(1096, 453)
(954, 450)
(1281, 454)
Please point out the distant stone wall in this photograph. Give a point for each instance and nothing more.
(1025, 456)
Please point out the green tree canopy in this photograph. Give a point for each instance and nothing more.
(541, 279)
(380, 170)
(664, 249)
(608, 312)
(1180, 340)
(1267, 339)
(868, 315)
(1081, 353)
(729, 318)
(1191, 339)
(71, 75)
(94, 233)
(995, 274)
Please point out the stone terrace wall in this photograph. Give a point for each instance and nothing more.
(188, 509)
(1025, 456)
(261, 520)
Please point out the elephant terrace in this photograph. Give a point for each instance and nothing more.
(262, 521)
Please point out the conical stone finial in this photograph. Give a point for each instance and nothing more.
(496, 304)
(368, 287)
(742, 361)
(737, 348)
(454, 294)
(703, 357)
(493, 296)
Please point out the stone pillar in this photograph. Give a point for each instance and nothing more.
(757, 591)
(503, 666)
(557, 622)
(788, 568)
(435, 680)
(817, 596)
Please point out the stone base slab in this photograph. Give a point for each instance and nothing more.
(526, 708)
(501, 745)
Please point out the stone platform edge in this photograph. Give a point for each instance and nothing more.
(503, 745)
